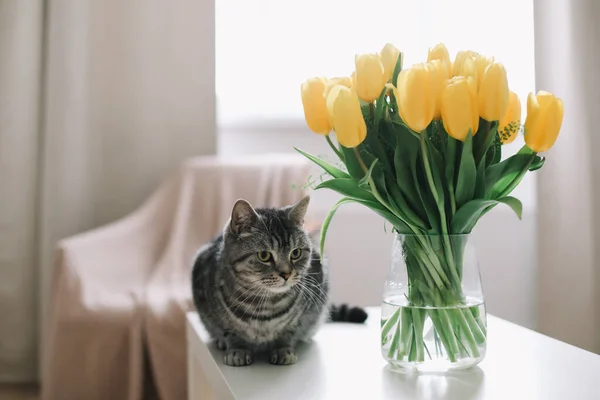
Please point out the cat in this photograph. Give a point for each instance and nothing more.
(261, 286)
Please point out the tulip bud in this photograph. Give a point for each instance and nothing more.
(468, 68)
(438, 71)
(440, 52)
(415, 97)
(389, 57)
(370, 77)
(344, 110)
(493, 93)
(482, 63)
(544, 118)
(459, 107)
(344, 81)
(510, 124)
(315, 109)
(459, 60)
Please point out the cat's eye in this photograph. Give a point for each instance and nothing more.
(295, 254)
(264, 256)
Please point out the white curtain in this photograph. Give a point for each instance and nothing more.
(98, 102)
(567, 58)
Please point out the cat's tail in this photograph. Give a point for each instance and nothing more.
(345, 313)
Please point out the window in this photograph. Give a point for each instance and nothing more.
(265, 49)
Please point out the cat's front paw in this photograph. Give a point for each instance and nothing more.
(221, 344)
(283, 356)
(238, 357)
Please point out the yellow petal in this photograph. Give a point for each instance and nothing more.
(315, 109)
(482, 63)
(348, 123)
(544, 119)
(438, 52)
(344, 81)
(459, 110)
(370, 77)
(469, 68)
(415, 97)
(459, 60)
(438, 71)
(493, 93)
(389, 57)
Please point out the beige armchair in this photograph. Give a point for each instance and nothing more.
(116, 326)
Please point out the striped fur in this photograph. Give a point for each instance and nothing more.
(246, 304)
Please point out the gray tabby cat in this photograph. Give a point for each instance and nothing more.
(260, 286)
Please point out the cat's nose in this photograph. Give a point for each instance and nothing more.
(284, 275)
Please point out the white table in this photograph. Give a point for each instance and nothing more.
(344, 362)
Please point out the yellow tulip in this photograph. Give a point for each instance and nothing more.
(389, 57)
(438, 71)
(510, 124)
(315, 109)
(370, 76)
(482, 63)
(544, 118)
(459, 60)
(344, 110)
(493, 93)
(440, 52)
(468, 68)
(344, 81)
(459, 107)
(415, 96)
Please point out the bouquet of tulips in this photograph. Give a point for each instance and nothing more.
(422, 147)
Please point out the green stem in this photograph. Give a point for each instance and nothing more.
(441, 209)
(478, 333)
(389, 324)
(405, 331)
(376, 194)
(418, 328)
(395, 342)
(335, 149)
(469, 338)
(443, 332)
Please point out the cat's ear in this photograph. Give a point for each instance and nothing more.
(243, 216)
(297, 212)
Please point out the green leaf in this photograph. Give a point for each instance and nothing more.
(327, 221)
(396, 198)
(437, 165)
(480, 181)
(494, 154)
(330, 169)
(537, 163)
(380, 106)
(467, 173)
(450, 168)
(397, 70)
(467, 216)
(485, 138)
(501, 176)
(352, 164)
(405, 163)
(347, 187)
(364, 181)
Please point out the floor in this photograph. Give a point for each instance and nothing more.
(19, 392)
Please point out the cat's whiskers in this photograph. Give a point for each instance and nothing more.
(311, 281)
(310, 295)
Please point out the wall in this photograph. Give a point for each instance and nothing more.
(359, 248)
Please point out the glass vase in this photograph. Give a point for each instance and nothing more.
(433, 314)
